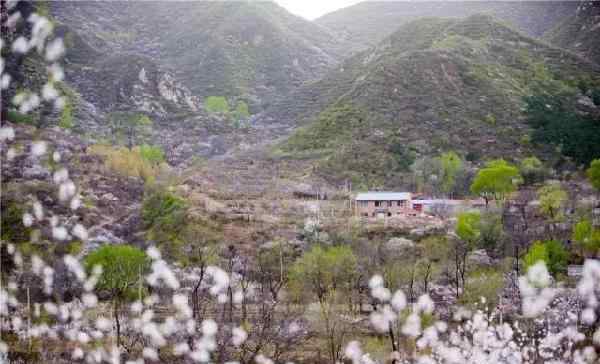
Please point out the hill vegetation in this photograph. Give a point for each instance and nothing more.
(434, 85)
(369, 22)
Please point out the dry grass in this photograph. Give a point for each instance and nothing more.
(127, 163)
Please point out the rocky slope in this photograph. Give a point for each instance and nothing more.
(368, 23)
(243, 50)
(580, 32)
(434, 85)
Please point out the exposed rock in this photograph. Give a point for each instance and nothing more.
(479, 258)
(36, 171)
(398, 246)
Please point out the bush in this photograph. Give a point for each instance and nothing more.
(216, 104)
(165, 218)
(151, 154)
(241, 111)
(551, 252)
(18, 118)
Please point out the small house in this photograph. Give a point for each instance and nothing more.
(383, 204)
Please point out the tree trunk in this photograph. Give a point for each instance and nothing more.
(117, 322)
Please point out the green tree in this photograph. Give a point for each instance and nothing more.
(451, 164)
(468, 227)
(552, 198)
(551, 252)
(497, 179)
(123, 268)
(532, 170)
(216, 104)
(593, 174)
(586, 237)
(129, 125)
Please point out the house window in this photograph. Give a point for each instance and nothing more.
(363, 203)
(377, 203)
(389, 203)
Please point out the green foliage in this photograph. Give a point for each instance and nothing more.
(241, 111)
(152, 153)
(556, 121)
(18, 118)
(586, 237)
(551, 252)
(532, 170)
(216, 104)
(123, 268)
(552, 197)
(497, 179)
(66, 116)
(164, 209)
(165, 218)
(11, 218)
(537, 252)
(491, 232)
(403, 157)
(468, 226)
(323, 270)
(593, 173)
(451, 164)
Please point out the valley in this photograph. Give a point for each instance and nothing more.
(388, 183)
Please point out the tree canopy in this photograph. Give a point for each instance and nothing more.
(552, 198)
(497, 179)
(122, 268)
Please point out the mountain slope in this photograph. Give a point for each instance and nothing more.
(368, 23)
(434, 85)
(248, 50)
(580, 32)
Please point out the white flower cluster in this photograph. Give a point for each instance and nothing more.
(52, 49)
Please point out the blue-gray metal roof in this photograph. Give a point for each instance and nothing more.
(383, 196)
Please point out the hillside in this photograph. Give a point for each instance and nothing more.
(369, 22)
(580, 32)
(434, 85)
(252, 51)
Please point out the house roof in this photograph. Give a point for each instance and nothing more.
(383, 196)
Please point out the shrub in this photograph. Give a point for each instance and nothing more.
(18, 118)
(152, 154)
(216, 104)
(551, 252)
(165, 218)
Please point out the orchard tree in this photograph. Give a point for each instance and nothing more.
(468, 230)
(123, 269)
(497, 179)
